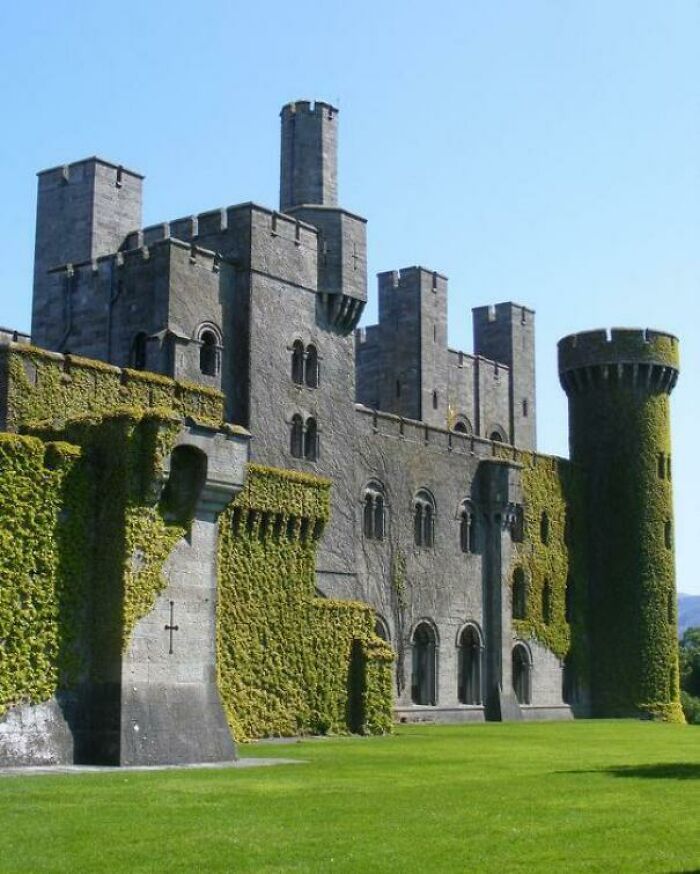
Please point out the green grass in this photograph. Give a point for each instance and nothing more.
(582, 796)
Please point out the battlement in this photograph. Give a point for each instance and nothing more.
(67, 172)
(635, 355)
(457, 358)
(409, 277)
(308, 107)
(144, 252)
(216, 221)
(503, 312)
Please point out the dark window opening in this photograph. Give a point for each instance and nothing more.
(496, 437)
(668, 534)
(547, 602)
(469, 667)
(544, 528)
(298, 363)
(398, 388)
(467, 530)
(297, 437)
(208, 353)
(525, 408)
(312, 367)
(661, 465)
(138, 351)
(381, 629)
(435, 400)
(671, 607)
(424, 657)
(519, 596)
(311, 440)
(521, 674)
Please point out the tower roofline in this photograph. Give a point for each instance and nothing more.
(93, 158)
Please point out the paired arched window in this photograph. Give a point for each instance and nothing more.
(138, 351)
(305, 364)
(373, 512)
(467, 528)
(522, 673)
(209, 339)
(304, 442)
(519, 594)
(469, 667)
(424, 664)
(424, 519)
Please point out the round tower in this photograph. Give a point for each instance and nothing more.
(619, 387)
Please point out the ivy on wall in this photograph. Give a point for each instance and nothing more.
(44, 386)
(619, 434)
(44, 539)
(289, 662)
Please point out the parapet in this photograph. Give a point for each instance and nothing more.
(631, 354)
(308, 107)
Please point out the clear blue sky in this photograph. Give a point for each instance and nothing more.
(542, 152)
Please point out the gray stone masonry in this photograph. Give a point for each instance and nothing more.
(266, 282)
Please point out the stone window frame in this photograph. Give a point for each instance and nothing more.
(306, 361)
(496, 433)
(462, 425)
(203, 330)
(521, 646)
(431, 624)
(374, 511)
(300, 447)
(470, 625)
(424, 510)
(468, 527)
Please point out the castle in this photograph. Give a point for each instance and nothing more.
(507, 583)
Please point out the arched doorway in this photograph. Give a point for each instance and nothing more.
(522, 671)
(424, 645)
(469, 667)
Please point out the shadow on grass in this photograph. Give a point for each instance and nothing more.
(659, 771)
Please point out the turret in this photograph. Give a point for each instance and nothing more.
(309, 155)
(619, 389)
(309, 191)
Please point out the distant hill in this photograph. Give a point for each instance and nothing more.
(688, 612)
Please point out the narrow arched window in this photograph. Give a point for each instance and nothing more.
(296, 446)
(496, 436)
(522, 670)
(311, 440)
(208, 353)
(435, 400)
(373, 512)
(547, 602)
(519, 594)
(138, 351)
(311, 367)
(469, 666)
(424, 665)
(298, 362)
(423, 519)
(544, 527)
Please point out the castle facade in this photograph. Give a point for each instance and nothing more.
(509, 584)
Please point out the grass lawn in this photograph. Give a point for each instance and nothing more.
(581, 796)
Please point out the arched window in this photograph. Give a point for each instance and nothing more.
(424, 664)
(435, 400)
(467, 528)
(138, 351)
(544, 527)
(381, 629)
(497, 437)
(462, 425)
(311, 440)
(469, 668)
(311, 369)
(423, 519)
(519, 594)
(296, 446)
(373, 512)
(298, 362)
(522, 671)
(547, 601)
(209, 353)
